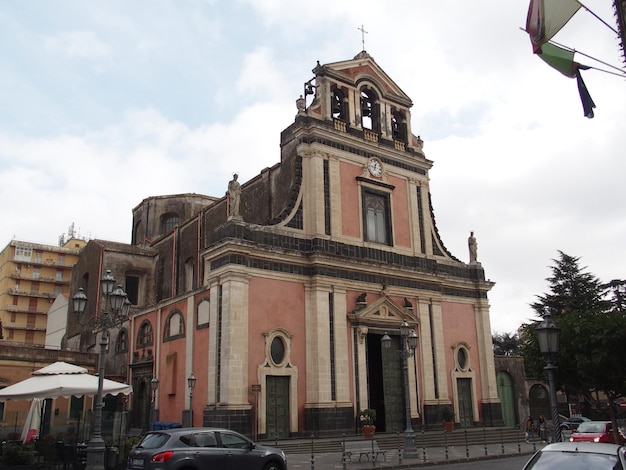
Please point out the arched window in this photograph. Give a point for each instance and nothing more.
(376, 217)
(370, 110)
(174, 326)
(190, 274)
(121, 345)
(145, 337)
(203, 313)
(168, 222)
(398, 125)
(338, 105)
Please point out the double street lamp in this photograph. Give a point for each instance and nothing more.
(408, 344)
(119, 305)
(548, 339)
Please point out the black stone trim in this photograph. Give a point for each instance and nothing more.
(307, 120)
(295, 190)
(390, 187)
(347, 274)
(359, 151)
(436, 234)
(329, 421)
(335, 249)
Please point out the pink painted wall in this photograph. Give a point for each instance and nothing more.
(459, 325)
(400, 213)
(350, 204)
(277, 304)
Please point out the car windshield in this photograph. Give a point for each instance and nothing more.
(591, 426)
(574, 461)
(153, 441)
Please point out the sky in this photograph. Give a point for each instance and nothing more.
(106, 103)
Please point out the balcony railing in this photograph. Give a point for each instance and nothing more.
(370, 136)
(340, 125)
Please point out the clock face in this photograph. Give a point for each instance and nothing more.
(375, 167)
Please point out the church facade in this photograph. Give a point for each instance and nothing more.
(277, 297)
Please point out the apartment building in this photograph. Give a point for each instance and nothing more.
(32, 275)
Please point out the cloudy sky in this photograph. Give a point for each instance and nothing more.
(105, 103)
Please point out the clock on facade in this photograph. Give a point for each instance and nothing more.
(375, 167)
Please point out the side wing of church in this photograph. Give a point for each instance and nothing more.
(279, 307)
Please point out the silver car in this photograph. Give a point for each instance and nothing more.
(201, 449)
(578, 456)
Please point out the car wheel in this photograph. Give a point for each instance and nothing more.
(273, 466)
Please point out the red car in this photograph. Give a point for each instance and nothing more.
(596, 431)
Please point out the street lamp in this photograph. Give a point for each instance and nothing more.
(408, 339)
(191, 383)
(548, 339)
(119, 305)
(154, 385)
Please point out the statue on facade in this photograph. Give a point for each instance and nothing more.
(473, 248)
(234, 196)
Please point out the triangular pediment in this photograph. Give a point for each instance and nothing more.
(363, 67)
(384, 312)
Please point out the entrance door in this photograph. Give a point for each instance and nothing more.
(507, 398)
(277, 407)
(385, 386)
(466, 412)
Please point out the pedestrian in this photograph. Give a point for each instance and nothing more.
(529, 428)
(542, 428)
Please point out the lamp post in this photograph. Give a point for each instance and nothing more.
(191, 383)
(154, 385)
(548, 339)
(119, 305)
(408, 344)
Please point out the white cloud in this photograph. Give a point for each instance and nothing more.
(77, 45)
(195, 91)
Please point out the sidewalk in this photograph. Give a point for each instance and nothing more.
(427, 456)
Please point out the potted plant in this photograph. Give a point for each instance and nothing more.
(447, 416)
(368, 417)
(17, 456)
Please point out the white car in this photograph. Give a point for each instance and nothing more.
(578, 456)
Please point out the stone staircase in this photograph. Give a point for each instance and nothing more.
(391, 441)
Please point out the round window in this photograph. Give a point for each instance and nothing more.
(277, 350)
(462, 358)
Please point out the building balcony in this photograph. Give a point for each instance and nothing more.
(25, 310)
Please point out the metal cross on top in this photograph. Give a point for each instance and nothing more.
(363, 33)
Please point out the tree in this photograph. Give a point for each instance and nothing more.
(593, 336)
(506, 344)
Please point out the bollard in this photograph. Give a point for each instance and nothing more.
(312, 452)
(519, 447)
(466, 446)
(502, 441)
(373, 454)
(423, 444)
(445, 438)
(343, 454)
(485, 438)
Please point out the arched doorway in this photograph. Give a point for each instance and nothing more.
(506, 393)
(539, 403)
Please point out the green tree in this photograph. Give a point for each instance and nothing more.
(506, 344)
(593, 336)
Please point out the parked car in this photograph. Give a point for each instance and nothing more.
(203, 448)
(572, 423)
(578, 456)
(596, 431)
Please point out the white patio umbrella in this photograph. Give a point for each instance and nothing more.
(30, 431)
(61, 379)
